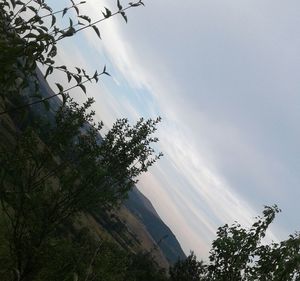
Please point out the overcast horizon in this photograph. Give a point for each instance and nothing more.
(224, 77)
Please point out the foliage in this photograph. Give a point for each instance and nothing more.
(239, 254)
(43, 184)
(74, 254)
(126, 150)
(55, 165)
(29, 36)
(187, 270)
(51, 171)
(142, 266)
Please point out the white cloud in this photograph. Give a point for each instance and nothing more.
(196, 163)
(219, 77)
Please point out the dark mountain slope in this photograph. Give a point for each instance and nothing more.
(142, 208)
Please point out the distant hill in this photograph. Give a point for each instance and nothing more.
(142, 208)
(151, 229)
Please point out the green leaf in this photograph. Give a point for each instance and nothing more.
(6, 4)
(77, 78)
(84, 17)
(64, 98)
(107, 13)
(53, 51)
(124, 16)
(60, 87)
(95, 76)
(13, 2)
(119, 5)
(30, 35)
(69, 76)
(49, 71)
(136, 4)
(96, 30)
(76, 9)
(45, 6)
(44, 28)
(62, 67)
(82, 88)
(86, 75)
(104, 71)
(64, 11)
(18, 21)
(32, 9)
(70, 32)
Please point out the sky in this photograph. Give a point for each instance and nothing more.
(224, 77)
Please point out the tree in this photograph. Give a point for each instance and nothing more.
(53, 170)
(142, 266)
(239, 254)
(29, 33)
(49, 178)
(187, 270)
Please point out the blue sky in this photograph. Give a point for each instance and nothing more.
(224, 76)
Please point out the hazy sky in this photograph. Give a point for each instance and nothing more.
(224, 77)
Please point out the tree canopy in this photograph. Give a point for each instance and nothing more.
(54, 162)
(239, 253)
(55, 166)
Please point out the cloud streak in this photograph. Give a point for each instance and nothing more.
(224, 77)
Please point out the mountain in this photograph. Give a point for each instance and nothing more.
(142, 208)
(137, 214)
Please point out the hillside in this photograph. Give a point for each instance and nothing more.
(142, 208)
(137, 213)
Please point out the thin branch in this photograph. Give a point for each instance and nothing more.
(47, 98)
(96, 22)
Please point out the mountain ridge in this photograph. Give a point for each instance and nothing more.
(143, 209)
